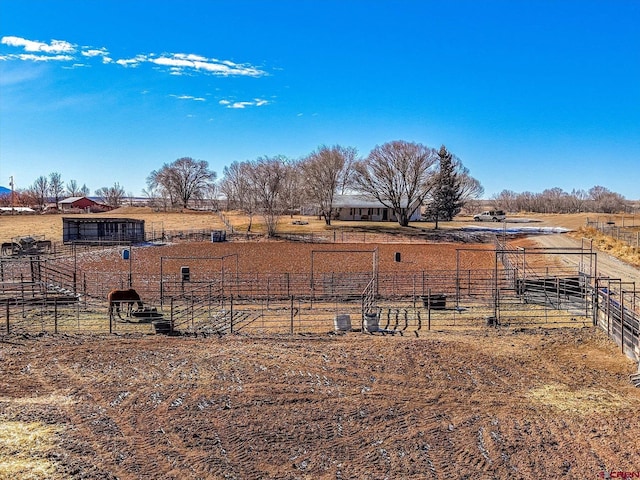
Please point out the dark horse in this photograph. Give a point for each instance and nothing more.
(117, 297)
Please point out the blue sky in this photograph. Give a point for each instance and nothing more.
(529, 95)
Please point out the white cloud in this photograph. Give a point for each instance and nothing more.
(42, 58)
(95, 52)
(175, 63)
(188, 97)
(256, 102)
(56, 46)
(239, 105)
(132, 62)
(181, 63)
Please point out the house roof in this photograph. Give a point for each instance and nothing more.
(358, 201)
(71, 200)
(101, 220)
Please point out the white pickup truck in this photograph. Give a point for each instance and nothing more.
(490, 216)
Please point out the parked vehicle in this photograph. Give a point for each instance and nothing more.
(490, 216)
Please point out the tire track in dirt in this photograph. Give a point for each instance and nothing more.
(607, 265)
(356, 406)
(118, 421)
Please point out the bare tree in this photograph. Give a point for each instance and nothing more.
(472, 192)
(182, 180)
(239, 189)
(606, 201)
(267, 175)
(578, 200)
(112, 196)
(56, 187)
(154, 198)
(327, 172)
(556, 200)
(73, 189)
(399, 175)
(294, 189)
(506, 200)
(40, 191)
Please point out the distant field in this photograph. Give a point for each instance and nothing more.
(51, 225)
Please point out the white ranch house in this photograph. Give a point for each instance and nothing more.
(358, 207)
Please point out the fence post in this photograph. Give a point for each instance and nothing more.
(429, 310)
(291, 329)
(55, 315)
(231, 314)
(8, 328)
(171, 317)
(622, 321)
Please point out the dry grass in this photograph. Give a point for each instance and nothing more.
(610, 245)
(581, 401)
(24, 450)
(51, 225)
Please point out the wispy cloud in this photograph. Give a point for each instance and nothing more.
(180, 63)
(256, 102)
(174, 63)
(131, 62)
(32, 57)
(188, 97)
(97, 52)
(56, 46)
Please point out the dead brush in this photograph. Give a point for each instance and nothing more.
(610, 245)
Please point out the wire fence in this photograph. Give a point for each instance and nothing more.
(626, 229)
(48, 293)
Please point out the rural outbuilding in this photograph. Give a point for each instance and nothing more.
(102, 230)
(80, 203)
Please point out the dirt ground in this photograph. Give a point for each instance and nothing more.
(490, 404)
(291, 257)
(603, 264)
(525, 404)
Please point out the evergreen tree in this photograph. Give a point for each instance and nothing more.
(447, 194)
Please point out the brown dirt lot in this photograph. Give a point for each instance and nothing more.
(494, 404)
(292, 257)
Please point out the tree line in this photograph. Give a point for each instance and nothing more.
(52, 189)
(402, 176)
(597, 199)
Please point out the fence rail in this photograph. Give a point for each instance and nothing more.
(48, 293)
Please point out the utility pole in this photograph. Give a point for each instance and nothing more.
(12, 195)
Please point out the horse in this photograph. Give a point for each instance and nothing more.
(117, 297)
(7, 248)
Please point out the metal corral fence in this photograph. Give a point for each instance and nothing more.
(47, 293)
(627, 230)
(618, 313)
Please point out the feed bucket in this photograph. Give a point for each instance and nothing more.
(342, 323)
(435, 302)
(371, 322)
(162, 326)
